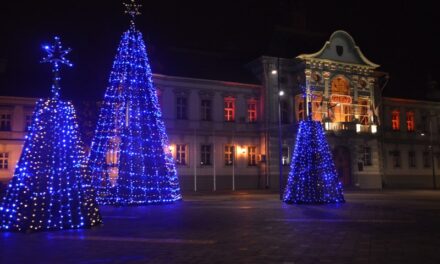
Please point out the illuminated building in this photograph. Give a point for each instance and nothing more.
(224, 135)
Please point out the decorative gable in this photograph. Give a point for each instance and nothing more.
(340, 48)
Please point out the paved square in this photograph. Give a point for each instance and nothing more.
(372, 227)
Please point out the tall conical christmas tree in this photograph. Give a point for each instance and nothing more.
(312, 178)
(48, 190)
(130, 159)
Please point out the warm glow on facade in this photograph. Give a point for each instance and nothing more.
(410, 126)
(395, 120)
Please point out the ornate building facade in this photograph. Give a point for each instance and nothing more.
(225, 135)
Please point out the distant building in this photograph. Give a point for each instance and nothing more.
(224, 135)
(15, 117)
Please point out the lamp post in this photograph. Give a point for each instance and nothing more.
(280, 146)
(431, 150)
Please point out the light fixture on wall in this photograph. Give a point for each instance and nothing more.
(373, 129)
(358, 128)
(243, 150)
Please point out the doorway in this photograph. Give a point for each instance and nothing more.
(341, 156)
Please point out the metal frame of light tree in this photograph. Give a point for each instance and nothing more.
(312, 178)
(131, 129)
(49, 189)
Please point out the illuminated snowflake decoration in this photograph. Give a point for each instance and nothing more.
(56, 53)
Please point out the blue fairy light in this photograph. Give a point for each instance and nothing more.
(130, 160)
(312, 178)
(48, 190)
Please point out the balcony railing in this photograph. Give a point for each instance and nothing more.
(350, 126)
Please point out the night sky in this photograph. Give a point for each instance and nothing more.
(212, 39)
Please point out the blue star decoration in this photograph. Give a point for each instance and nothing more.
(56, 56)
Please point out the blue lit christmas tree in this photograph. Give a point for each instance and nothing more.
(48, 190)
(130, 160)
(312, 178)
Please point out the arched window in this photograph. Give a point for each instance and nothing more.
(340, 85)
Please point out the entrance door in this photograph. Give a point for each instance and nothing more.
(341, 156)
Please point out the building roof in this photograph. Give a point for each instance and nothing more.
(341, 48)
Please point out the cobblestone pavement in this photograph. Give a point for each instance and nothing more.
(372, 227)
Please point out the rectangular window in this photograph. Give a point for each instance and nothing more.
(317, 107)
(28, 122)
(363, 111)
(412, 159)
(181, 154)
(410, 121)
(181, 108)
(252, 156)
(285, 155)
(284, 112)
(367, 156)
(205, 151)
(395, 120)
(229, 155)
(396, 159)
(5, 122)
(300, 109)
(229, 109)
(252, 111)
(426, 159)
(4, 160)
(206, 110)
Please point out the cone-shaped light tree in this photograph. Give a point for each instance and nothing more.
(312, 178)
(49, 190)
(130, 159)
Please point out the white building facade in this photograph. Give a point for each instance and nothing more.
(225, 135)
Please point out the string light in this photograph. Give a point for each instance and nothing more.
(312, 178)
(130, 160)
(48, 190)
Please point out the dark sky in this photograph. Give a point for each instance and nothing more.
(212, 39)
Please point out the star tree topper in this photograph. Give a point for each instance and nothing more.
(55, 56)
(132, 9)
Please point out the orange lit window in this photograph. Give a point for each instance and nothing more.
(252, 156)
(229, 155)
(229, 109)
(395, 119)
(252, 111)
(317, 107)
(410, 121)
(181, 154)
(363, 111)
(300, 107)
(340, 85)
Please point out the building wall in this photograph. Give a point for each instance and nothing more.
(364, 151)
(193, 132)
(403, 142)
(12, 137)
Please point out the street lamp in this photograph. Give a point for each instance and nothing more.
(280, 157)
(431, 150)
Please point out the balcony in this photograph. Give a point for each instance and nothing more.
(341, 127)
